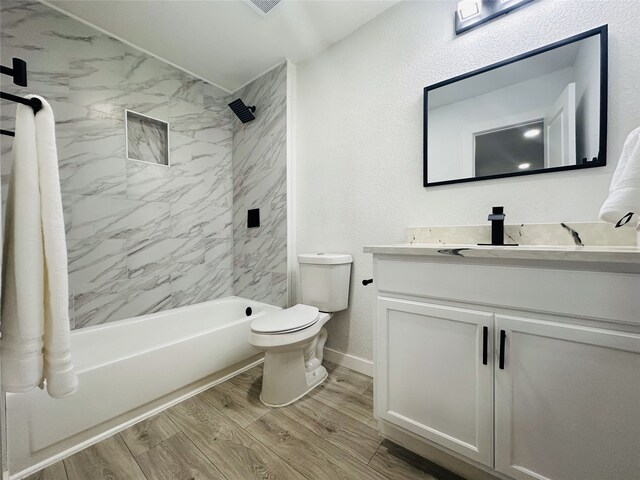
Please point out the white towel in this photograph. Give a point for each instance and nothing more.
(35, 317)
(622, 206)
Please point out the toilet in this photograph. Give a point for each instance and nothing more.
(293, 339)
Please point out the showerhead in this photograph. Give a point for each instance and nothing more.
(244, 113)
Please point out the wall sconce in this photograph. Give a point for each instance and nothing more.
(473, 13)
(468, 9)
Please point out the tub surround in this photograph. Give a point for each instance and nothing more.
(590, 234)
(143, 238)
(260, 181)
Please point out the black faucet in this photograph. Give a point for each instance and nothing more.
(496, 217)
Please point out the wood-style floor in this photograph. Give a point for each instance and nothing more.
(227, 433)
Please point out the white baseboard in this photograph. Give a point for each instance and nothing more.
(357, 364)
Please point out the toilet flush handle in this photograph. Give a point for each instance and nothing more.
(367, 281)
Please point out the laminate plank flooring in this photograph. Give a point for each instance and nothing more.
(357, 406)
(109, 459)
(149, 433)
(344, 432)
(177, 458)
(231, 449)
(348, 379)
(236, 403)
(52, 472)
(314, 457)
(226, 433)
(369, 392)
(397, 463)
(249, 381)
(368, 395)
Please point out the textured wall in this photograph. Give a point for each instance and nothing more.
(260, 181)
(359, 168)
(141, 237)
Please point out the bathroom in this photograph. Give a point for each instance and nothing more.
(304, 295)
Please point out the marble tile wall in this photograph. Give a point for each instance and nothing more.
(260, 181)
(141, 237)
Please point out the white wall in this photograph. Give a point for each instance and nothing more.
(359, 170)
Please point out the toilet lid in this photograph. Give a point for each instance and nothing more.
(288, 320)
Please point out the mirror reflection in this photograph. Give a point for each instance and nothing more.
(534, 113)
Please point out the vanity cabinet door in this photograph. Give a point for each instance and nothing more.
(431, 374)
(567, 402)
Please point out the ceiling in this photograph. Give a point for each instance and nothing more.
(227, 42)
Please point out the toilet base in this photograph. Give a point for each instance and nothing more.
(289, 375)
(292, 363)
(313, 380)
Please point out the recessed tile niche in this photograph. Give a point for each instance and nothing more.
(147, 139)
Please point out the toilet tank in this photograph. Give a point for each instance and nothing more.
(324, 280)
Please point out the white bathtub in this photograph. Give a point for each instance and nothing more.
(128, 370)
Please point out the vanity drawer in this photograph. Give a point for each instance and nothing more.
(583, 294)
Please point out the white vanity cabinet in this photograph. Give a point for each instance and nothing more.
(523, 370)
(567, 401)
(430, 361)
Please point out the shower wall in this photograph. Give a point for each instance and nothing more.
(260, 181)
(141, 237)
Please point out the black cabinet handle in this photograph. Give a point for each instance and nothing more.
(366, 282)
(503, 337)
(485, 345)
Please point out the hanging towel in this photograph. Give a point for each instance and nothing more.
(35, 317)
(622, 206)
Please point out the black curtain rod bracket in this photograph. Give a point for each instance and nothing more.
(18, 72)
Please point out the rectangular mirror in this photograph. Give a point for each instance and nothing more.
(542, 111)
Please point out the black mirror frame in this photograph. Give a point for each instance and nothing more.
(602, 150)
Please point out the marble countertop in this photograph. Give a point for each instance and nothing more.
(625, 255)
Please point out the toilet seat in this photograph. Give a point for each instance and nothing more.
(294, 319)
